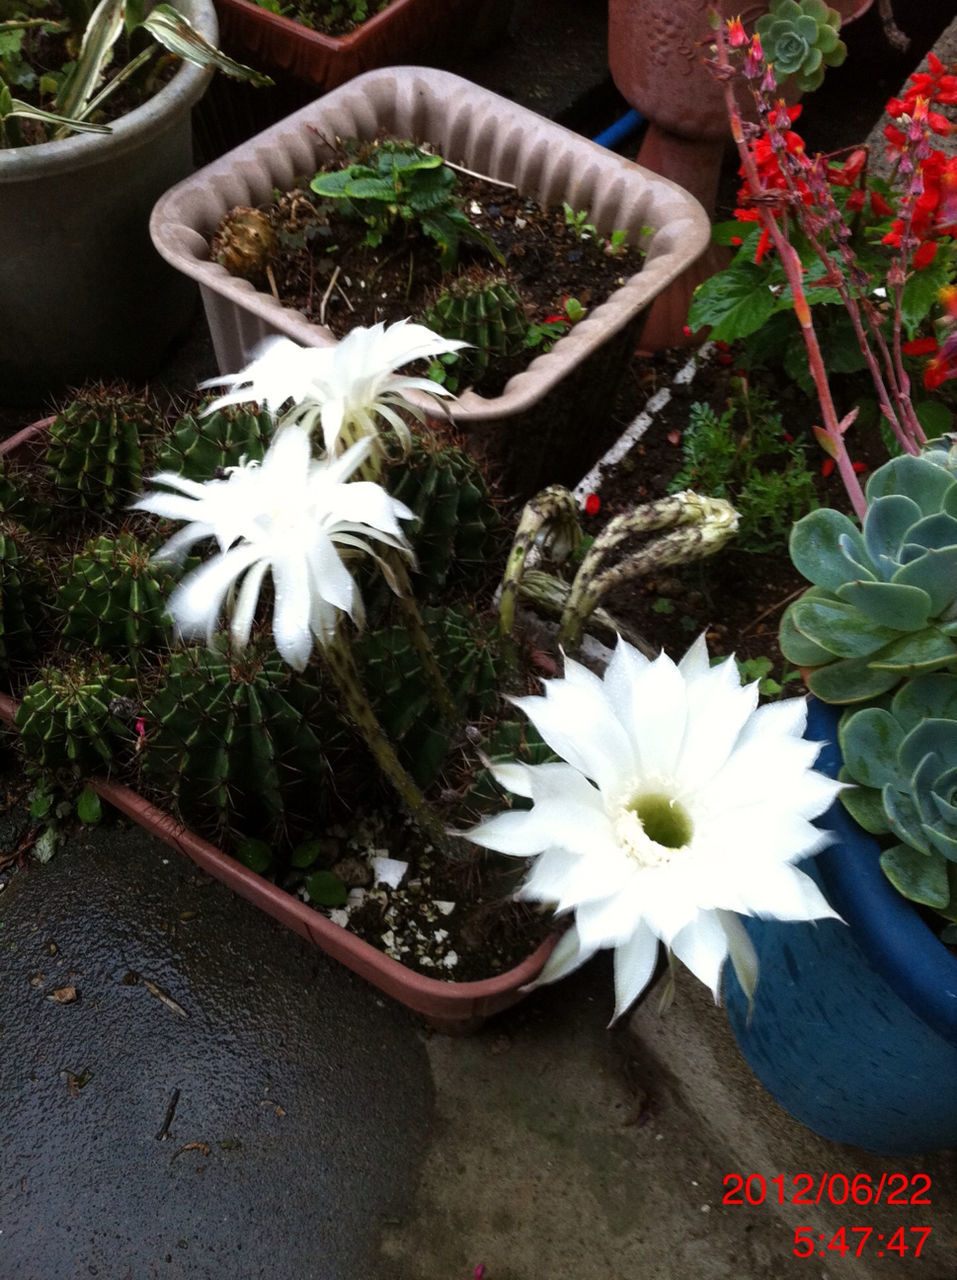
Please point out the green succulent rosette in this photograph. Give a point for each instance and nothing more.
(883, 605)
(800, 38)
(903, 756)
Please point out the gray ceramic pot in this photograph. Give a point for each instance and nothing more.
(83, 293)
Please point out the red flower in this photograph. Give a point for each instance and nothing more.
(592, 504)
(925, 255)
(827, 466)
(920, 346)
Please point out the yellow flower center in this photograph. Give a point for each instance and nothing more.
(651, 827)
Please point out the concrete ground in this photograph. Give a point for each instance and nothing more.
(220, 1102)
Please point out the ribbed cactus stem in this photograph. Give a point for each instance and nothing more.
(418, 634)
(699, 526)
(550, 518)
(341, 666)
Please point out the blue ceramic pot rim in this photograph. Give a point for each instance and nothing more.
(900, 946)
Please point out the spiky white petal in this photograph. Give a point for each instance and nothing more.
(348, 384)
(679, 803)
(288, 516)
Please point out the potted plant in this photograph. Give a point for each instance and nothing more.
(274, 736)
(532, 428)
(76, 192)
(852, 1020)
(325, 52)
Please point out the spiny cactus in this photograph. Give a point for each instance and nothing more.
(113, 598)
(243, 744)
(392, 676)
(72, 717)
(244, 243)
(20, 596)
(197, 447)
(485, 311)
(457, 529)
(95, 453)
(800, 38)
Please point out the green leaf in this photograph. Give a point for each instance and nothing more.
(305, 854)
(798, 648)
(904, 818)
(924, 651)
(916, 478)
(326, 889)
(840, 628)
(88, 807)
(851, 680)
(817, 548)
(734, 303)
(924, 697)
(935, 575)
(920, 877)
(26, 112)
(870, 740)
(935, 417)
(40, 802)
(102, 32)
(256, 855)
(887, 607)
(176, 33)
(919, 294)
(865, 806)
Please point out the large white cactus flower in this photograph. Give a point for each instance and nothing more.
(680, 803)
(342, 387)
(289, 516)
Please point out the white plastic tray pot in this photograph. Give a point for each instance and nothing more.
(83, 293)
(545, 426)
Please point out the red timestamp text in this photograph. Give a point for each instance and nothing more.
(828, 1188)
(853, 1241)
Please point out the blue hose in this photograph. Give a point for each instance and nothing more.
(629, 123)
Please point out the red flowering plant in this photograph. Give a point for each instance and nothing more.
(873, 259)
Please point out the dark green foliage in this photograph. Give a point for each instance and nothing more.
(243, 743)
(73, 717)
(466, 652)
(113, 598)
(457, 533)
(197, 447)
(488, 313)
(509, 740)
(745, 456)
(20, 596)
(95, 453)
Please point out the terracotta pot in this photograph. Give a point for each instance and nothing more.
(532, 432)
(405, 31)
(457, 1007)
(655, 54)
(83, 293)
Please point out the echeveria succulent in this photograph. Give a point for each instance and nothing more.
(800, 38)
(904, 758)
(884, 601)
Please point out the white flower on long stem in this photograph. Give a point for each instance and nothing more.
(288, 516)
(680, 804)
(343, 387)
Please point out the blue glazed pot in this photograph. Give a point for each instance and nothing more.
(854, 1029)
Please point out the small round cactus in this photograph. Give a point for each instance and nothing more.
(95, 450)
(114, 599)
(20, 595)
(800, 38)
(70, 718)
(485, 311)
(244, 243)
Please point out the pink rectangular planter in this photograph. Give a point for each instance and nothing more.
(449, 1006)
(553, 419)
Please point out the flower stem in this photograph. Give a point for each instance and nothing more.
(419, 636)
(342, 668)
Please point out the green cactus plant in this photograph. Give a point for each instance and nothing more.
(884, 601)
(485, 311)
(20, 595)
(245, 745)
(399, 693)
(198, 446)
(903, 757)
(72, 717)
(457, 531)
(95, 450)
(114, 599)
(800, 38)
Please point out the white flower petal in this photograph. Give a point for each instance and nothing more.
(702, 946)
(568, 956)
(635, 961)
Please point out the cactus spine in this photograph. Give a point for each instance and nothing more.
(95, 451)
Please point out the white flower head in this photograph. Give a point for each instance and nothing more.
(679, 805)
(344, 387)
(289, 516)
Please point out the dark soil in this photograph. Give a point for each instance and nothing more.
(323, 268)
